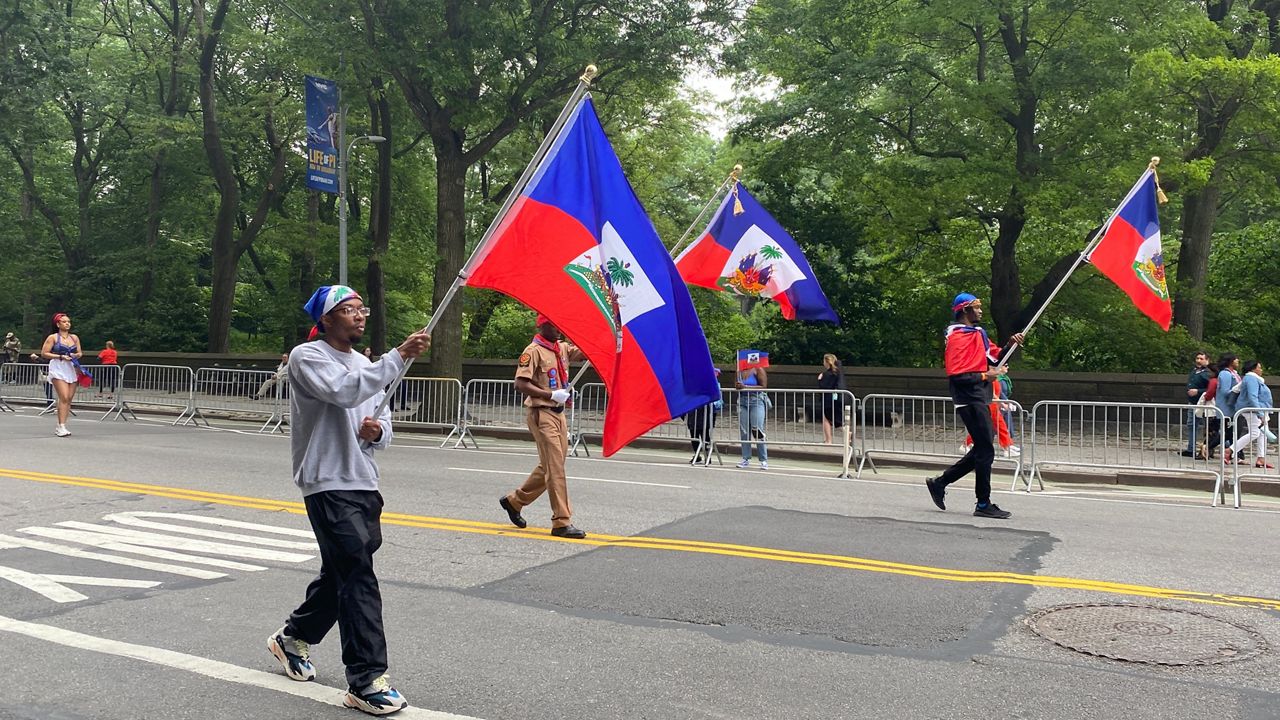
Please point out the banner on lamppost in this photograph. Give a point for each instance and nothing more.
(322, 134)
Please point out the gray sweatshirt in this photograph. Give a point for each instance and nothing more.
(330, 392)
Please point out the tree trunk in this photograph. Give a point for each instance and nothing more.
(1199, 213)
(155, 196)
(303, 265)
(451, 243)
(1006, 284)
(225, 256)
(379, 219)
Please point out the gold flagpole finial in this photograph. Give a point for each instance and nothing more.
(1160, 196)
(589, 74)
(736, 173)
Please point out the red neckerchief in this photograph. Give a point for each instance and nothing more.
(561, 380)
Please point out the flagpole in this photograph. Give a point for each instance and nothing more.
(1084, 254)
(733, 178)
(584, 84)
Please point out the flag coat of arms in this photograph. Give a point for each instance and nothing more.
(1131, 255)
(578, 247)
(745, 251)
(748, 359)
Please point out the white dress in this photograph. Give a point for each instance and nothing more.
(62, 370)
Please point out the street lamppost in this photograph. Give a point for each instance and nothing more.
(342, 202)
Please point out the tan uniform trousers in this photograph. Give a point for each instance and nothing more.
(551, 435)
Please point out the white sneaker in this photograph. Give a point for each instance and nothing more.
(294, 656)
(1013, 451)
(61, 430)
(377, 699)
(964, 449)
(764, 465)
(744, 463)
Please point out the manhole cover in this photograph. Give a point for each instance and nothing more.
(1138, 633)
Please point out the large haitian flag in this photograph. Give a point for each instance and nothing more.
(578, 247)
(746, 251)
(1131, 255)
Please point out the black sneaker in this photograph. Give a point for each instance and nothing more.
(937, 492)
(568, 531)
(991, 511)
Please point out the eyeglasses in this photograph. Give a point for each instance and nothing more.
(348, 311)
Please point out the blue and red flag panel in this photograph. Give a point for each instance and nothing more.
(744, 250)
(578, 247)
(1130, 252)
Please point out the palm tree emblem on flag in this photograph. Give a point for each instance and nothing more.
(601, 281)
(1151, 272)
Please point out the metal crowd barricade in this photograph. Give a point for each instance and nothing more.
(233, 393)
(792, 418)
(103, 392)
(156, 386)
(490, 404)
(926, 426)
(25, 383)
(1146, 437)
(1251, 428)
(587, 411)
(430, 403)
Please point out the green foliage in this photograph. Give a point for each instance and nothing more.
(881, 135)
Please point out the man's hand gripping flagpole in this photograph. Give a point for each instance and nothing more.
(584, 84)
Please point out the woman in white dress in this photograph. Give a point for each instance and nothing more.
(62, 350)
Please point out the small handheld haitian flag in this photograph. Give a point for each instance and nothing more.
(748, 359)
(1131, 255)
(745, 251)
(578, 247)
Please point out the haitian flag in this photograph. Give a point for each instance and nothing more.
(1131, 255)
(578, 247)
(746, 251)
(748, 359)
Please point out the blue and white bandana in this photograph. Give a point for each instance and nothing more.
(327, 298)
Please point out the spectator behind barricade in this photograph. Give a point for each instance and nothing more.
(368, 352)
(1001, 421)
(1208, 398)
(1254, 393)
(42, 377)
(1006, 410)
(831, 379)
(282, 373)
(109, 375)
(1224, 398)
(12, 347)
(701, 422)
(1197, 385)
(753, 404)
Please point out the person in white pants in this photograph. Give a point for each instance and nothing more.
(1254, 393)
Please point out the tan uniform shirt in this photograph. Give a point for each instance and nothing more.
(537, 363)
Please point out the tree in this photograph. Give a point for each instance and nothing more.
(953, 122)
(233, 231)
(473, 73)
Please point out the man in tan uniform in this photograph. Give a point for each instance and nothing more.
(542, 377)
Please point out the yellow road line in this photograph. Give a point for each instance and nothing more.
(669, 544)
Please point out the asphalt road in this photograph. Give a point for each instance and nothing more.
(142, 567)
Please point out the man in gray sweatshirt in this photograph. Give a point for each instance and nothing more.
(334, 392)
